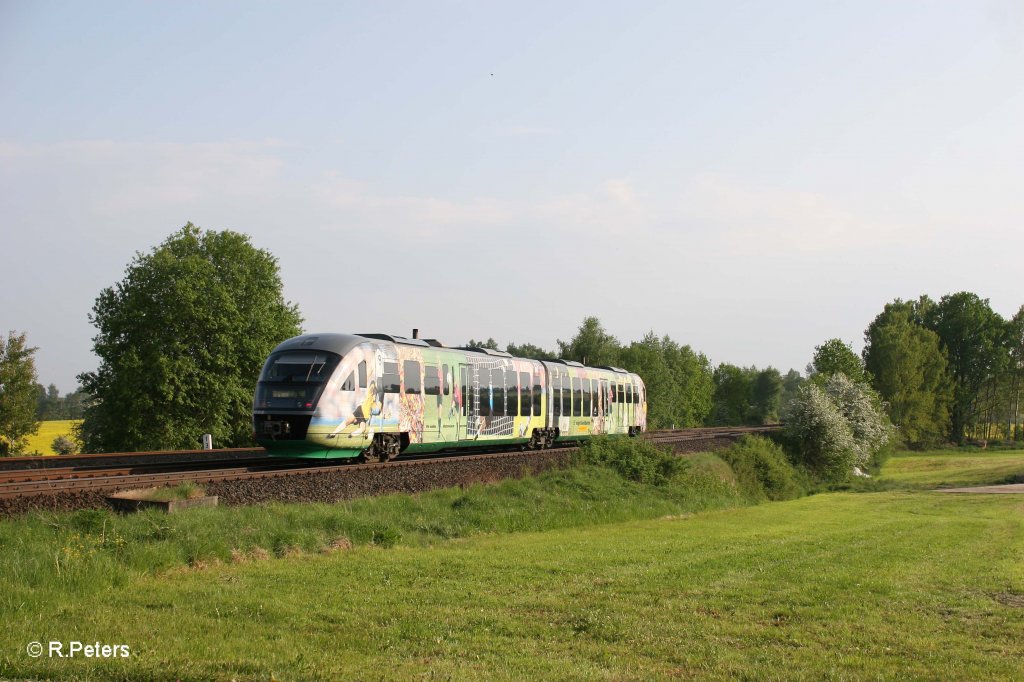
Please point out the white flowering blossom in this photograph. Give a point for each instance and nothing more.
(838, 428)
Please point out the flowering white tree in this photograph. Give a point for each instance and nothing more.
(838, 426)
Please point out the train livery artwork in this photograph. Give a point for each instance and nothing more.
(375, 396)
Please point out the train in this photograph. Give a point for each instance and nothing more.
(378, 396)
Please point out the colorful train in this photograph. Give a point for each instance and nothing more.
(376, 396)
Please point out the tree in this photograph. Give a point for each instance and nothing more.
(18, 396)
(592, 345)
(837, 426)
(971, 334)
(908, 369)
(489, 343)
(1016, 343)
(181, 342)
(733, 395)
(834, 356)
(679, 382)
(528, 350)
(767, 396)
(790, 386)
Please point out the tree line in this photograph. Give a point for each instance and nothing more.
(183, 335)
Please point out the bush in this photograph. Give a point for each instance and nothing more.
(633, 459)
(837, 427)
(762, 469)
(64, 445)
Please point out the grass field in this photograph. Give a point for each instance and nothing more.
(42, 441)
(539, 579)
(952, 468)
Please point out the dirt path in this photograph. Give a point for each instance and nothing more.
(987, 489)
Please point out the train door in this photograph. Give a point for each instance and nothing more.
(431, 403)
(462, 402)
(449, 407)
(630, 404)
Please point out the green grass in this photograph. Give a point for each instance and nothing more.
(838, 586)
(621, 571)
(42, 441)
(953, 468)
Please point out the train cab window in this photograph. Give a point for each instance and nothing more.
(392, 384)
(524, 394)
(412, 376)
(538, 391)
(629, 393)
(585, 411)
(511, 394)
(577, 396)
(362, 374)
(497, 393)
(463, 395)
(350, 382)
(620, 392)
(431, 382)
(446, 379)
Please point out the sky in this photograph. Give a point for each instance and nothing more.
(749, 178)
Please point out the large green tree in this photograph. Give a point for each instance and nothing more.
(18, 396)
(181, 342)
(836, 357)
(592, 345)
(733, 395)
(972, 335)
(908, 369)
(1016, 343)
(679, 381)
(529, 350)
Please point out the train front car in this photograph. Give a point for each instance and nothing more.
(311, 390)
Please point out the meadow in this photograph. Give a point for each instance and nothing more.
(42, 441)
(574, 574)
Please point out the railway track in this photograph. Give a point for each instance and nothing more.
(32, 476)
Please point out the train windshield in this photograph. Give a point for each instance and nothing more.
(292, 380)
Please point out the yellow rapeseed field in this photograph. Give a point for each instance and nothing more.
(42, 442)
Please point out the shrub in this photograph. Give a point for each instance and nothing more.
(64, 445)
(633, 459)
(837, 427)
(762, 469)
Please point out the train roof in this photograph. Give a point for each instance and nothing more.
(334, 343)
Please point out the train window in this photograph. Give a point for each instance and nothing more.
(411, 368)
(585, 411)
(577, 397)
(431, 382)
(621, 393)
(349, 384)
(446, 379)
(497, 393)
(537, 393)
(566, 397)
(629, 393)
(556, 395)
(392, 383)
(636, 393)
(524, 394)
(463, 395)
(511, 394)
(362, 374)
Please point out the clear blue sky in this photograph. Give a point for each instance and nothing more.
(749, 178)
